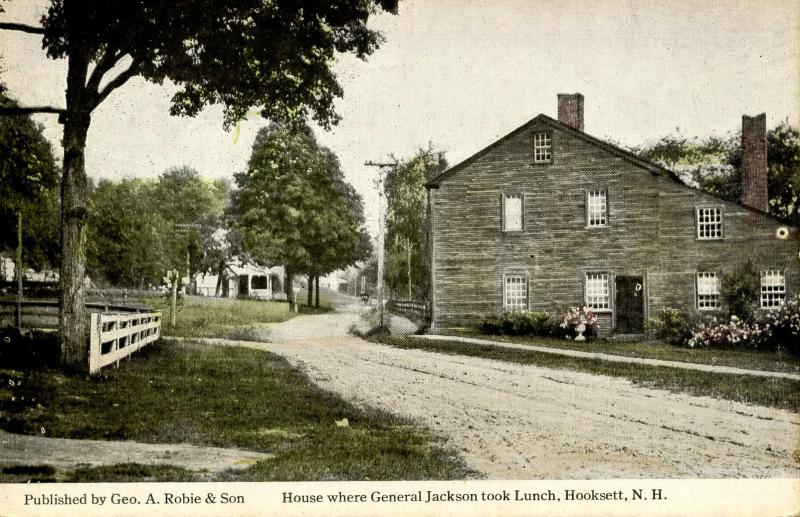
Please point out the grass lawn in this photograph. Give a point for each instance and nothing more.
(770, 361)
(781, 393)
(199, 316)
(225, 397)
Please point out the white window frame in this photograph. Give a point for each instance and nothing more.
(596, 208)
(520, 301)
(542, 147)
(773, 288)
(710, 230)
(597, 291)
(505, 198)
(709, 295)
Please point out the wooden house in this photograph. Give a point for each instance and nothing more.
(549, 217)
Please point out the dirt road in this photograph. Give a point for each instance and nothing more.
(519, 421)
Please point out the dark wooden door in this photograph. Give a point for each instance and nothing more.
(630, 304)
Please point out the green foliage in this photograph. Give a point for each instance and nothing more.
(671, 326)
(28, 184)
(138, 229)
(407, 264)
(519, 323)
(740, 291)
(293, 207)
(277, 55)
(713, 164)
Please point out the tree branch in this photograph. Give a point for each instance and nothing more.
(16, 111)
(21, 27)
(119, 80)
(106, 63)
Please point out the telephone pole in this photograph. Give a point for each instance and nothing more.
(379, 183)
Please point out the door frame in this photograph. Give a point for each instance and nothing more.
(645, 296)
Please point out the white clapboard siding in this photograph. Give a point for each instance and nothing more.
(115, 336)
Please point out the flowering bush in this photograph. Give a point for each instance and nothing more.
(578, 320)
(735, 333)
(781, 328)
(777, 329)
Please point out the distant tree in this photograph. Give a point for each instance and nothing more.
(288, 208)
(127, 239)
(276, 56)
(28, 196)
(713, 165)
(407, 270)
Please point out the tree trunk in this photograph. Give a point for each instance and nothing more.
(316, 289)
(18, 316)
(408, 265)
(220, 272)
(309, 291)
(288, 287)
(74, 193)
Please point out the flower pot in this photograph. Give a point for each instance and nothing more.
(580, 329)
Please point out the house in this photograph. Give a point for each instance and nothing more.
(244, 280)
(549, 217)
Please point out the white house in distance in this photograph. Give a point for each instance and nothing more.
(244, 281)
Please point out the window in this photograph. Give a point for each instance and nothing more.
(709, 223)
(542, 148)
(597, 294)
(773, 288)
(596, 208)
(708, 291)
(259, 282)
(512, 212)
(515, 294)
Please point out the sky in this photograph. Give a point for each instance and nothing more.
(459, 74)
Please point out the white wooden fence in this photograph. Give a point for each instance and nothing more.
(114, 336)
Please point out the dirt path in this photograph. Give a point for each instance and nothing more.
(63, 453)
(522, 421)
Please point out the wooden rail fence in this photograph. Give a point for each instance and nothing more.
(115, 331)
(415, 308)
(115, 336)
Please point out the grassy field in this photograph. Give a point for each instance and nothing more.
(223, 317)
(769, 361)
(226, 397)
(781, 393)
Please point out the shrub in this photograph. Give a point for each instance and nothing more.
(735, 333)
(781, 328)
(577, 319)
(739, 291)
(519, 323)
(671, 326)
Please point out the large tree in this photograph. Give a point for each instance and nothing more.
(292, 206)
(276, 56)
(713, 165)
(407, 222)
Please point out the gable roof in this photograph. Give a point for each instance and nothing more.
(555, 124)
(628, 156)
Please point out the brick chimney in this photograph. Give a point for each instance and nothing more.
(754, 162)
(570, 110)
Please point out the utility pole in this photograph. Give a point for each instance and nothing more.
(379, 183)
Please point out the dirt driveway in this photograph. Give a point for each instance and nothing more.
(520, 421)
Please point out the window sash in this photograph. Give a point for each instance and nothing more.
(542, 147)
(597, 208)
(709, 223)
(597, 294)
(708, 290)
(513, 207)
(515, 293)
(773, 288)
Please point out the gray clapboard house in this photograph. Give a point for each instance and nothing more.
(549, 217)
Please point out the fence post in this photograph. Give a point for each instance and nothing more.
(95, 331)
